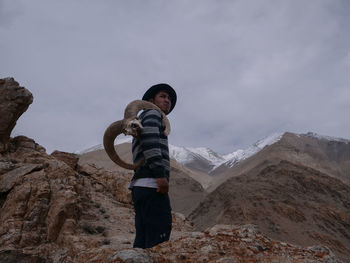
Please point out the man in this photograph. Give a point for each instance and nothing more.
(150, 184)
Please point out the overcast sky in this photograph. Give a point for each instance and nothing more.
(242, 69)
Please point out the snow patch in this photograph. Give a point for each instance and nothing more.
(185, 155)
(324, 137)
(240, 155)
(180, 154)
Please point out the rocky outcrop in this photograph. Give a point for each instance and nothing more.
(14, 100)
(70, 159)
(37, 186)
(50, 212)
(115, 183)
(40, 198)
(227, 243)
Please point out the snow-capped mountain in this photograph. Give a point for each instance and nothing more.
(325, 137)
(240, 155)
(201, 158)
(207, 160)
(185, 155)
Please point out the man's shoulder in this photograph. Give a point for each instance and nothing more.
(149, 113)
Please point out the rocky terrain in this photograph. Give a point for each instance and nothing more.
(65, 208)
(51, 212)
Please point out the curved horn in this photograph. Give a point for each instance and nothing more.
(118, 127)
(111, 133)
(135, 106)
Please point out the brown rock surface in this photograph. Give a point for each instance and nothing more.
(14, 100)
(49, 211)
(39, 196)
(70, 159)
(115, 183)
(227, 243)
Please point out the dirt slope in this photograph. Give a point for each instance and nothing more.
(288, 202)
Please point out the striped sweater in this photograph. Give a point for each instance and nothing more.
(153, 146)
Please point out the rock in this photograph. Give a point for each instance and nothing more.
(26, 145)
(227, 243)
(181, 223)
(8, 180)
(14, 256)
(39, 196)
(115, 182)
(130, 256)
(45, 206)
(70, 159)
(14, 101)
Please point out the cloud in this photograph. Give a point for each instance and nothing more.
(242, 69)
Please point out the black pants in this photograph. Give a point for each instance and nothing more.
(152, 217)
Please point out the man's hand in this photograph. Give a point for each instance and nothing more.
(163, 185)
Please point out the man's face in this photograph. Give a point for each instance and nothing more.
(162, 100)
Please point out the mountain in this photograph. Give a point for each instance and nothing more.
(203, 159)
(240, 155)
(296, 190)
(328, 154)
(206, 160)
(199, 159)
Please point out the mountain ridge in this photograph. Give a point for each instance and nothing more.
(206, 160)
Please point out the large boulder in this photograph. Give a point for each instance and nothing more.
(41, 198)
(14, 101)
